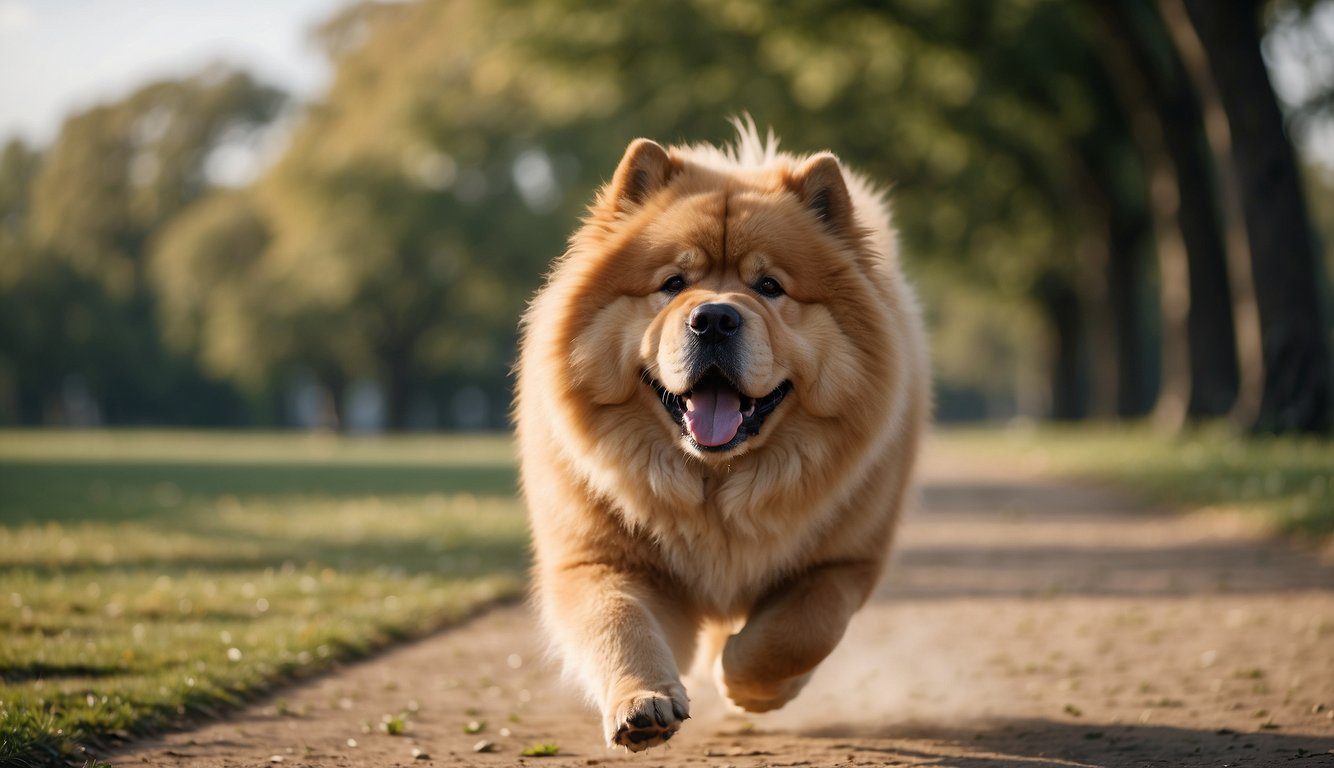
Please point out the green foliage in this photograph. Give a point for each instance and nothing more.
(147, 578)
(418, 202)
(78, 222)
(394, 725)
(119, 171)
(204, 270)
(421, 200)
(541, 750)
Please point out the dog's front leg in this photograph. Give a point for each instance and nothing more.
(626, 640)
(790, 631)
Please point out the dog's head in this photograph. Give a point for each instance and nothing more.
(719, 304)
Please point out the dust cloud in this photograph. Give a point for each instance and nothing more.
(893, 667)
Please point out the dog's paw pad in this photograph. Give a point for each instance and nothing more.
(648, 719)
(758, 696)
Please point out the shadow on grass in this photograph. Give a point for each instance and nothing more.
(68, 491)
(1039, 743)
(176, 499)
(36, 670)
(475, 557)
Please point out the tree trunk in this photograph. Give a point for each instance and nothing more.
(1164, 198)
(1060, 304)
(1249, 354)
(1199, 375)
(1111, 285)
(1210, 330)
(333, 381)
(1211, 327)
(398, 389)
(1101, 327)
(1283, 256)
(1127, 227)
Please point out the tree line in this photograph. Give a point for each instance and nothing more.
(1100, 201)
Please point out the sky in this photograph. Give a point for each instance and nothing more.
(58, 56)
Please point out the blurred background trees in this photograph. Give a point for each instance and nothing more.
(81, 332)
(1100, 201)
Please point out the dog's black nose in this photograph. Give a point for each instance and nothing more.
(714, 323)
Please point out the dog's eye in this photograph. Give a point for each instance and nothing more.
(769, 287)
(673, 285)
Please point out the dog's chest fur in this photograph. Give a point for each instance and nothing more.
(729, 549)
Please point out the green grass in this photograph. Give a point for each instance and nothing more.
(150, 577)
(1288, 481)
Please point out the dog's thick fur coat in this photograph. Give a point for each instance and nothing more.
(651, 541)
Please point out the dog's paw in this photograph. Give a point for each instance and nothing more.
(646, 719)
(757, 695)
(757, 698)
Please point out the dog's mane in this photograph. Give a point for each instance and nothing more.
(749, 150)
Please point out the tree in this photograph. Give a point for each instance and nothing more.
(1284, 271)
(459, 139)
(116, 174)
(203, 270)
(422, 198)
(418, 202)
(119, 171)
(1199, 368)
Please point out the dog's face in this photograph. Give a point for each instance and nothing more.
(723, 308)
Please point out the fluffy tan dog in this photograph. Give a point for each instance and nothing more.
(721, 391)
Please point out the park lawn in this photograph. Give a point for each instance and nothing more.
(1288, 482)
(149, 577)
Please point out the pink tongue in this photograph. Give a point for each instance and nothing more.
(713, 414)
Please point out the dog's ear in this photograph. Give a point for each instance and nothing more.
(819, 184)
(645, 169)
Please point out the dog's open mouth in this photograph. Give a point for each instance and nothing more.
(715, 414)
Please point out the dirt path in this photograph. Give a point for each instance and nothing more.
(1024, 623)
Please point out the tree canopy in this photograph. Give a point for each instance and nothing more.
(417, 203)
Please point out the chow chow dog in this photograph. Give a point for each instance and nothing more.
(721, 389)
